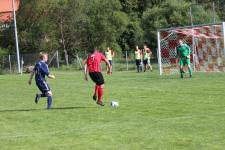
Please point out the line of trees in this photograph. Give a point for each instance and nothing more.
(76, 25)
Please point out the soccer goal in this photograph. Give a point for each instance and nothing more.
(207, 44)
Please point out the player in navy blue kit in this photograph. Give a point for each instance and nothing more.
(41, 70)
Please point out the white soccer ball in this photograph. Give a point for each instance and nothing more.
(114, 104)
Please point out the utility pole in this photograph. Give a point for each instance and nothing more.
(16, 38)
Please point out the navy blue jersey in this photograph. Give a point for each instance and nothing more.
(41, 70)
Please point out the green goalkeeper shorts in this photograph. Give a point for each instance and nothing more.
(184, 61)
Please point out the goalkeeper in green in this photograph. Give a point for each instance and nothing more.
(183, 52)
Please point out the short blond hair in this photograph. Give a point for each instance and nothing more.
(42, 54)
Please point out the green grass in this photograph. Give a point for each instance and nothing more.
(158, 113)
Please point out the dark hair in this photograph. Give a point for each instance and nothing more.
(92, 50)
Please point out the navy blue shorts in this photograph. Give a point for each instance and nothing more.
(145, 61)
(43, 86)
(110, 61)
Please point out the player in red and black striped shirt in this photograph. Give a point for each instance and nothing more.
(92, 65)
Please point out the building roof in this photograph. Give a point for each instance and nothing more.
(6, 9)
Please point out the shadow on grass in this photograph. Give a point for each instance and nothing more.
(55, 108)
(164, 77)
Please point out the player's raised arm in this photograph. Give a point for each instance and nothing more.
(113, 53)
(189, 51)
(31, 77)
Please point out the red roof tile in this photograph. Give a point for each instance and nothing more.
(6, 9)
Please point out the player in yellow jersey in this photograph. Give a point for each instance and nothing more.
(138, 58)
(146, 58)
(109, 54)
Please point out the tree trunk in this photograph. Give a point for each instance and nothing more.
(63, 42)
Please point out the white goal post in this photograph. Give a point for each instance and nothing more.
(207, 43)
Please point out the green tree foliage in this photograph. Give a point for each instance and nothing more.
(106, 23)
(170, 13)
(132, 36)
(74, 25)
(219, 6)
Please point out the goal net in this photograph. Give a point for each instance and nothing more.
(205, 41)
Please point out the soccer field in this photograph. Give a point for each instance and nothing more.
(158, 113)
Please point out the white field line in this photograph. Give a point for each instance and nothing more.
(99, 127)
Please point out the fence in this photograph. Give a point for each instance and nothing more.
(121, 62)
(8, 64)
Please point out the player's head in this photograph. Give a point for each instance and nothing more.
(108, 48)
(145, 46)
(93, 50)
(43, 56)
(137, 47)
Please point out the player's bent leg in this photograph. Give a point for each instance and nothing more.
(37, 97)
(43, 88)
(96, 92)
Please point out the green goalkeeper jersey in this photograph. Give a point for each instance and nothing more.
(183, 51)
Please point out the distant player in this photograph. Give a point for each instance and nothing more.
(92, 66)
(41, 70)
(138, 59)
(146, 58)
(109, 56)
(183, 52)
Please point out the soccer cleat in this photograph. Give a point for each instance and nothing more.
(181, 76)
(94, 97)
(37, 98)
(100, 103)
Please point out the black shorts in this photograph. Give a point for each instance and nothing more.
(97, 77)
(138, 62)
(43, 86)
(145, 61)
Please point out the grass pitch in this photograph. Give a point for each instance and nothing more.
(158, 113)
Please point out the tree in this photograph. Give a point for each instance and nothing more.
(71, 26)
(171, 13)
(106, 23)
(132, 36)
